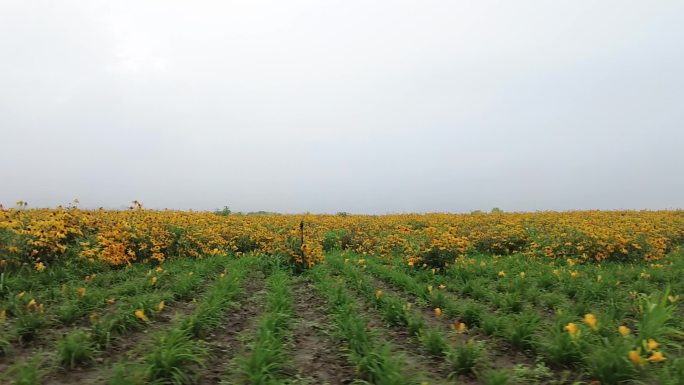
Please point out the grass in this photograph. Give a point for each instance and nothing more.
(75, 348)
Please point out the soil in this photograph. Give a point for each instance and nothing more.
(317, 356)
(225, 342)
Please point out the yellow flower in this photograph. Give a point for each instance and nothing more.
(590, 320)
(111, 301)
(21, 295)
(429, 289)
(140, 315)
(651, 344)
(624, 330)
(502, 274)
(81, 291)
(572, 329)
(672, 298)
(410, 263)
(40, 266)
(154, 281)
(645, 275)
(635, 357)
(159, 269)
(161, 306)
(458, 327)
(556, 272)
(361, 262)
(442, 286)
(657, 357)
(522, 274)
(574, 274)
(438, 312)
(378, 294)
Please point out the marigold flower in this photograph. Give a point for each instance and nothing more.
(159, 269)
(502, 274)
(378, 294)
(624, 330)
(590, 320)
(651, 344)
(657, 357)
(40, 266)
(438, 312)
(140, 315)
(572, 329)
(154, 281)
(635, 357)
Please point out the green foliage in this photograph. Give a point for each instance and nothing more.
(433, 341)
(75, 348)
(174, 357)
(465, 358)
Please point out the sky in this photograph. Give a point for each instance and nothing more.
(358, 106)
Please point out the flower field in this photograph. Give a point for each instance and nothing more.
(171, 297)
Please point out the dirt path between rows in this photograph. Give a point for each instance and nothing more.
(317, 357)
(225, 343)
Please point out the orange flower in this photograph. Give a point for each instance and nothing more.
(438, 312)
(651, 344)
(40, 266)
(590, 320)
(140, 315)
(624, 330)
(154, 281)
(635, 357)
(502, 274)
(657, 357)
(458, 326)
(81, 291)
(572, 329)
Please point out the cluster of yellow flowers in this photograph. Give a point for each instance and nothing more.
(37, 236)
(647, 352)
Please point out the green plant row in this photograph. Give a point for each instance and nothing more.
(375, 361)
(606, 353)
(177, 355)
(267, 357)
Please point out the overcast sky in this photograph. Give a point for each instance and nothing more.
(359, 106)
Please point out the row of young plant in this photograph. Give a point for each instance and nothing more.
(131, 312)
(112, 310)
(177, 354)
(375, 360)
(608, 352)
(514, 283)
(267, 357)
(465, 356)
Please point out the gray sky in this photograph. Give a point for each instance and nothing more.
(360, 106)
